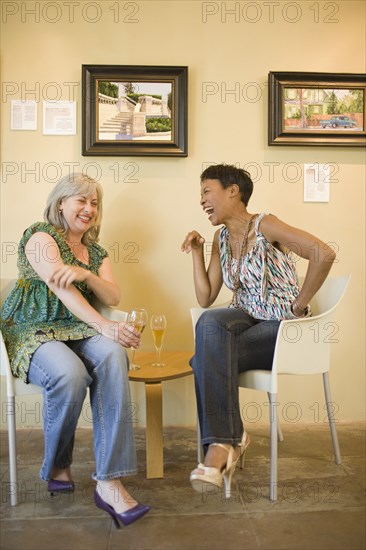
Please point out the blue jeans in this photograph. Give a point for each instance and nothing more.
(65, 370)
(228, 341)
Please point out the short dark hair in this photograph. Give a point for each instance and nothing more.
(227, 174)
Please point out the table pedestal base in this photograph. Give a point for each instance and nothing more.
(177, 366)
(154, 431)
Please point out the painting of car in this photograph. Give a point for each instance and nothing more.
(338, 121)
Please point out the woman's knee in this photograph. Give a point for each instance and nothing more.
(71, 381)
(55, 365)
(113, 358)
(114, 351)
(209, 324)
(76, 377)
(118, 363)
(209, 318)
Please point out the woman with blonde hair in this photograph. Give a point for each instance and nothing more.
(57, 339)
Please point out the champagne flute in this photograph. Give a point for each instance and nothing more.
(138, 318)
(158, 326)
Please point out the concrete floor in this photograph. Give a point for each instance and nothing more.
(320, 505)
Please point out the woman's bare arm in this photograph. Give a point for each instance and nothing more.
(46, 265)
(320, 256)
(208, 282)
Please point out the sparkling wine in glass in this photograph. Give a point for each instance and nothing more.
(158, 326)
(138, 318)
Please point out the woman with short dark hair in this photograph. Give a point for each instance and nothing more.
(251, 256)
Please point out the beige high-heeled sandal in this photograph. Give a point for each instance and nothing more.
(214, 476)
(210, 476)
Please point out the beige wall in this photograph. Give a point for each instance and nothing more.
(154, 202)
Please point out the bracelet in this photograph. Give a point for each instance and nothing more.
(304, 311)
(296, 303)
(297, 316)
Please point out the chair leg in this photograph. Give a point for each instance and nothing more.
(273, 445)
(332, 427)
(200, 457)
(279, 431)
(12, 452)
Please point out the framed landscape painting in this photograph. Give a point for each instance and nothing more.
(317, 109)
(133, 110)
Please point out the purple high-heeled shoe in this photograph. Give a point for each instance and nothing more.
(127, 517)
(57, 486)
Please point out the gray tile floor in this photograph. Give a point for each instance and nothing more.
(320, 505)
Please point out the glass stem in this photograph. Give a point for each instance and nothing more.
(132, 355)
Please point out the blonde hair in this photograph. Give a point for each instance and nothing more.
(70, 186)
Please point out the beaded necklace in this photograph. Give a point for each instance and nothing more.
(236, 274)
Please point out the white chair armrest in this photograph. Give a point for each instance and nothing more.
(111, 313)
(114, 314)
(5, 368)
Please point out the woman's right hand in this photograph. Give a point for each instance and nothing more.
(65, 275)
(193, 241)
(123, 333)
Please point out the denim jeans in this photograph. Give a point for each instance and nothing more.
(65, 370)
(228, 341)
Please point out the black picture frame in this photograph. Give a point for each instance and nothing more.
(131, 140)
(304, 96)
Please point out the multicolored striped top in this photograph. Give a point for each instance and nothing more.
(269, 282)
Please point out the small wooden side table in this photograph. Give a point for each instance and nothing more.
(177, 366)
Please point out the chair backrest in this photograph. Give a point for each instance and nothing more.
(330, 294)
(303, 345)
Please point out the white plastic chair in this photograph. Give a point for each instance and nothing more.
(301, 348)
(15, 387)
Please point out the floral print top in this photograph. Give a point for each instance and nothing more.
(32, 314)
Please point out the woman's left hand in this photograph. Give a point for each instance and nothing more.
(121, 332)
(66, 275)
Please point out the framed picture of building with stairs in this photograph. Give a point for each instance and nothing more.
(131, 110)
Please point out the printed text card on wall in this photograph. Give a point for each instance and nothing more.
(23, 115)
(316, 182)
(59, 118)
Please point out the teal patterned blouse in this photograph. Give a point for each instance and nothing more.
(32, 314)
